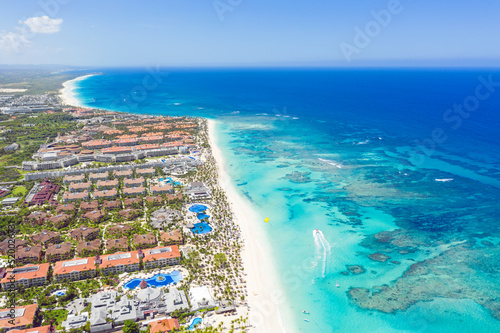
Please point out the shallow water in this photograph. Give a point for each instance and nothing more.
(338, 151)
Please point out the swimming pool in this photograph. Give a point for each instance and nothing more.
(157, 280)
(196, 321)
(61, 293)
(201, 228)
(198, 208)
(202, 216)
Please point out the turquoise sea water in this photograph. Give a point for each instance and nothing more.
(353, 154)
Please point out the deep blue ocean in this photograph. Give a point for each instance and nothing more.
(399, 169)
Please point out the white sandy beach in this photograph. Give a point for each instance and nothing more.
(67, 95)
(266, 300)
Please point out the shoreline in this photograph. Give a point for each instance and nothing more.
(66, 94)
(266, 299)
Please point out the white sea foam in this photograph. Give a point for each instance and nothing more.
(331, 162)
(322, 247)
(295, 118)
(444, 180)
(363, 142)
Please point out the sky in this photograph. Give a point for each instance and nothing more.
(250, 32)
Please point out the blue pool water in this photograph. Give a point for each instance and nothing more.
(201, 228)
(156, 280)
(196, 321)
(202, 216)
(61, 293)
(198, 208)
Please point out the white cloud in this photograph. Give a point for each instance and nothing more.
(43, 24)
(13, 41)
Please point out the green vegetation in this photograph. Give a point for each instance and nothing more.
(36, 81)
(54, 316)
(46, 127)
(130, 326)
(19, 191)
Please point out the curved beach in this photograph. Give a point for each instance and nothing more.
(67, 94)
(266, 299)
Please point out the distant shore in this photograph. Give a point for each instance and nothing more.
(265, 297)
(66, 93)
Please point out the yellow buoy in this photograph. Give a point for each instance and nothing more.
(266, 220)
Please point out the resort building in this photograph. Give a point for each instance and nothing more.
(119, 262)
(95, 216)
(89, 248)
(73, 179)
(37, 217)
(60, 220)
(79, 187)
(85, 233)
(25, 276)
(89, 206)
(134, 191)
(132, 202)
(24, 316)
(75, 269)
(59, 252)
(117, 245)
(42, 193)
(116, 150)
(122, 173)
(161, 256)
(68, 196)
(201, 299)
(110, 205)
(10, 244)
(105, 194)
(74, 321)
(107, 184)
(66, 208)
(28, 254)
(158, 200)
(198, 190)
(46, 238)
(98, 176)
(145, 241)
(130, 214)
(163, 325)
(175, 299)
(172, 238)
(41, 329)
(101, 305)
(120, 230)
(97, 144)
(145, 172)
(133, 182)
(152, 139)
(162, 217)
(167, 188)
(126, 142)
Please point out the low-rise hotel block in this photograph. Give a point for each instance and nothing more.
(75, 269)
(119, 262)
(69, 197)
(161, 256)
(26, 276)
(18, 318)
(79, 187)
(107, 185)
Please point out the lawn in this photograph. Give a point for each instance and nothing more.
(19, 191)
(58, 315)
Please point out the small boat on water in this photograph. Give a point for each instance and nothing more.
(337, 284)
(307, 320)
(306, 312)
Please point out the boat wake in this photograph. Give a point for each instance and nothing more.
(323, 248)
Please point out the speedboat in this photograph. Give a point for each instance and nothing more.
(304, 311)
(306, 319)
(337, 284)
